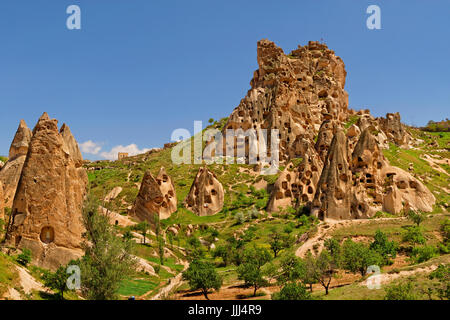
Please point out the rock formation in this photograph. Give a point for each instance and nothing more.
(206, 195)
(10, 173)
(47, 209)
(291, 93)
(156, 198)
(394, 129)
(332, 199)
(296, 185)
(2, 204)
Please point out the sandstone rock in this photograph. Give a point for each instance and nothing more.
(71, 145)
(296, 185)
(113, 194)
(22, 138)
(10, 173)
(156, 198)
(394, 129)
(47, 209)
(206, 195)
(332, 199)
(2, 204)
(291, 93)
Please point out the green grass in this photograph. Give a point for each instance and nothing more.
(136, 287)
(435, 181)
(8, 274)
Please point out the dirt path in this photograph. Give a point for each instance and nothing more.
(28, 284)
(174, 283)
(388, 277)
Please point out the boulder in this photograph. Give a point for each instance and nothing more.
(47, 209)
(206, 196)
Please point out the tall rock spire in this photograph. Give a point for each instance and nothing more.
(47, 209)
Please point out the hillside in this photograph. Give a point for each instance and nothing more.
(348, 192)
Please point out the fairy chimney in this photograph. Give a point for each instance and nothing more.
(47, 209)
(156, 198)
(206, 195)
(10, 173)
(332, 198)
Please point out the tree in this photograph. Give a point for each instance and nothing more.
(143, 227)
(381, 244)
(401, 292)
(57, 280)
(276, 244)
(25, 257)
(251, 268)
(325, 268)
(161, 246)
(357, 257)
(202, 276)
(107, 259)
(127, 236)
(442, 287)
(309, 277)
(292, 269)
(292, 291)
(416, 217)
(334, 248)
(211, 121)
(414, 236)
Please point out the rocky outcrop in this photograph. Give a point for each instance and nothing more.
(292, 93)
(296, 185)
(47, 209)
(2, 203)
(332, 199)
(156, 198)
(10, 173)
(394, 129)
(206, 196)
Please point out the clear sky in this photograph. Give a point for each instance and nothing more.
(139, 69)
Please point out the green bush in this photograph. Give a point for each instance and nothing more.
(293, 291)
(424, 253)
(400, 292)
(25, 257)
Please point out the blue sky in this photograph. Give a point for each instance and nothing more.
(139, 69)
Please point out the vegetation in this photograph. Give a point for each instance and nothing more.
(202, 276)
(107, 260)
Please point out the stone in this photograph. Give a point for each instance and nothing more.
(291, 93)
(10, 173)
(113, 194)
(2, 202)
(47, 209)
(206, 196)
(156, 198)
(332, 197)
(394, 129)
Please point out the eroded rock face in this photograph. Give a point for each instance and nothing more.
(10, 173)
(291, 93)
(332, 199)
(394, 129)
(206, 195)
(47, 209)
(156, 198)
(2, 203)
(296, 185)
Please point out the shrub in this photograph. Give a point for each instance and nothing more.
(414, 236)
(388, 249)
(400, 292)
(292, 291)
(425, 253)
(25, 257)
